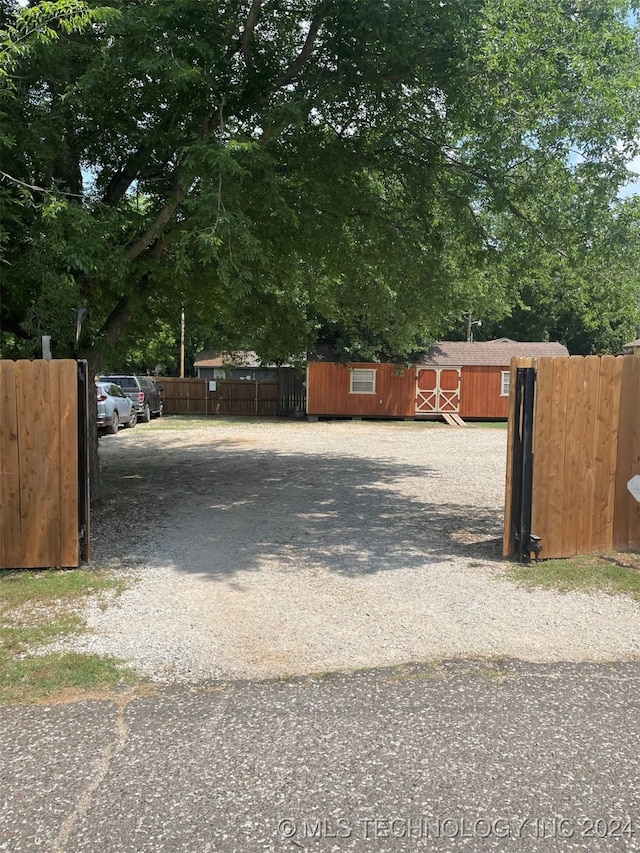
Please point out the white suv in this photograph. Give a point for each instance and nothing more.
(143, 392)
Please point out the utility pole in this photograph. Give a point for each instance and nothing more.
(470, 324)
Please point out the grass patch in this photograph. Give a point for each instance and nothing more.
(38, 608)
(39, 677)
(50, 586)
(614, 573)
(503, 425)
(18, 636)
(178, 422)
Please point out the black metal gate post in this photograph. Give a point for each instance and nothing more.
(522, 485)
(292, 401)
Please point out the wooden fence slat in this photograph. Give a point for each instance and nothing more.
(10, 515)
(68, 486)
(552, 537)
(589, 450)
(28, 409)
(46, 433)
(604, 473)
(620, 456)
(573, 483)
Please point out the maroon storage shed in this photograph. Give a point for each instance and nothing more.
(452, 379)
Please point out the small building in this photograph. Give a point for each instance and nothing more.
(210, 364)
(452, 380)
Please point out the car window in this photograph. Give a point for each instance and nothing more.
(128, 382)
(144, 383)
(116, 391)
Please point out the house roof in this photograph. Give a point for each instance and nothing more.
(487, 353)
(461, 353)
(213, 358)
(632, 345)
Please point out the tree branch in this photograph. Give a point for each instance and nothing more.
(36, 189)
(153, 232)
(122, 180)
(249, 27)
(307, 49)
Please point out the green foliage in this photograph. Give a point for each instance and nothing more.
(26, 28)
(351, 169)
(38, 608)
(587, 298)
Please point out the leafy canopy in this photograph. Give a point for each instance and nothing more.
(354, 169)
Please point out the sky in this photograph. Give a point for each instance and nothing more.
(633, 188)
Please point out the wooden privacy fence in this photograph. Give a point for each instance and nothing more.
(42, 475)
(585, 436)
(231, 397)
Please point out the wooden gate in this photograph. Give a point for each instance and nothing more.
(585, 449)
(44, 510)
(437, 390)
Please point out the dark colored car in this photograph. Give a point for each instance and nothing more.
(143, 392)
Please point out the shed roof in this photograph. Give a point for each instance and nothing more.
(496, 353)
(632, 345)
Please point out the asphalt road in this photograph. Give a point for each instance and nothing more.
(465, 756)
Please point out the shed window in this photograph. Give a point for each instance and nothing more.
(363, 381)
(506, 383)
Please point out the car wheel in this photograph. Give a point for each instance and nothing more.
(114, 426)
(146, 414)
(133, 420)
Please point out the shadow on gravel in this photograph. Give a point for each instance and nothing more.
(228, 508)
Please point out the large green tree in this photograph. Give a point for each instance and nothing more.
(588, 296)
(286, 168)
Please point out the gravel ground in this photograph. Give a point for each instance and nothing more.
(280, 548)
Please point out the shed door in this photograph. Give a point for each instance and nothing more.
(437, 390)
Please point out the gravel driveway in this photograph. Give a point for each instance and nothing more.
(279, 548)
